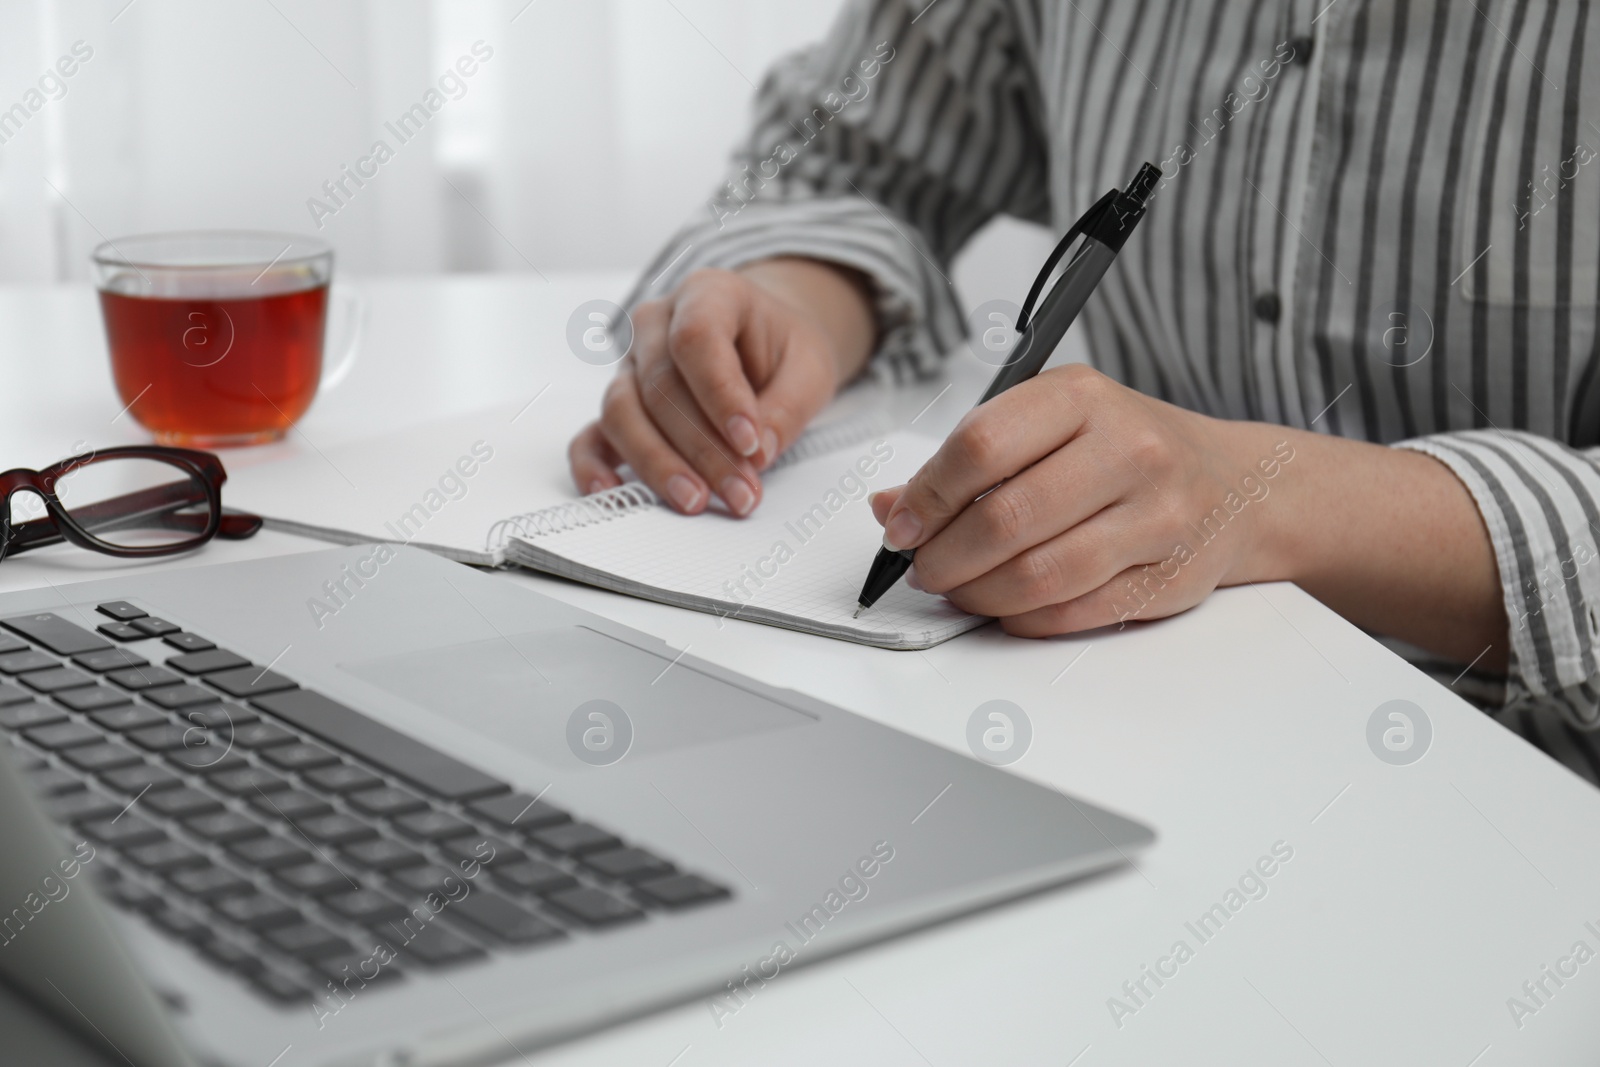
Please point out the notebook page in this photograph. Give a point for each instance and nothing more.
(798, 561)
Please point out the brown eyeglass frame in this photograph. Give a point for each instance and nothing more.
(157, 507)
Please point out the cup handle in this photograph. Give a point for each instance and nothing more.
(353, 314)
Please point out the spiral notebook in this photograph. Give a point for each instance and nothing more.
(798, 561)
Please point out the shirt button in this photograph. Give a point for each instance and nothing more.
(1302, 50)
(1268, 307)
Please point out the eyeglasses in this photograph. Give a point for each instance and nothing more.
(132, 501)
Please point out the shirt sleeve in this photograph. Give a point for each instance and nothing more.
(883, 148)
(1540, 501)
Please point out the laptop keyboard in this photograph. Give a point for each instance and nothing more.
(286, 836)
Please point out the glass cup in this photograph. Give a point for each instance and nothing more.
(216, 337)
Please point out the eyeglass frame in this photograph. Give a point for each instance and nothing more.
(58, 525)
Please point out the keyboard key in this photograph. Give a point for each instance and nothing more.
(63, 735)
(302, 755)
(188, 642)
(56, 679)
(121, 610)
(28, 660)
(314, 878)
(22, 716)
(366, 906)
(205, 662)
(336, 829)
(181, 696)
(593, 907)
(121, 631)
(270, 853)
(261, 735)
(136, 897)
(141, 678)
(151, 626)
(249, 682)
(182, 803)
(53, 782)
(92, 697)
(382, 854)
(576, 838)
(78, 807)
(505, 920)
(424, 879)
(165, 856)
(106, 756)
(131, 717)
(356, 972)
(292, 805)
(343, 778)
(404, 756)
(125, 831)
(11, 644)
(249, 781)
(222, 715)
(55, 633)
(308, 941)
(140, 777)
(437, 947)
(210, 883)
(279, 987)
(679, 891)
(234, 956)
(109, 659)
(167, 737)
(519, 811)
(257, 911)
(534, 876)
(225, 826)
(627, 864)
(12, 693)
(483, 848)
(207, 759)
(181, 924)
(388, 801)
(433, 825)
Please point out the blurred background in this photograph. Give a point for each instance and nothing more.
(587, 132)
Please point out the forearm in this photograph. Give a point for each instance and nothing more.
(839, 298)
(1388, 538)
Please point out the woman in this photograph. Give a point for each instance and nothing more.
(1373, 264)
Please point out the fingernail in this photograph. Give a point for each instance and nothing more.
(683, 491)
(742, 435)
(738, 494)
(903, 530)
(913, 581)
(596, 486)
(769, 444)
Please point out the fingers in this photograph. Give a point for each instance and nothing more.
(883, 501)
(702, 338)
(686, 428)
(1148, 591)
(1059, 570)
(1055, 494)
(798, 389)
(631, 432)
(992, 443)
(593, 461)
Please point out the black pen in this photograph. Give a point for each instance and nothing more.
(1104, 228)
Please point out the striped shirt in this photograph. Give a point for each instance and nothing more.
(1379, 219)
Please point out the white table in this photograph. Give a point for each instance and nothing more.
(1418, 900)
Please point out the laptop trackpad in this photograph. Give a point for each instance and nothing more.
(556, 696)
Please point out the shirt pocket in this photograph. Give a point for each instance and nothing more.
(1530, 202)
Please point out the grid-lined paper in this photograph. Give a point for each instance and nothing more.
(798, 561)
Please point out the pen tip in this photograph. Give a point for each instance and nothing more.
(859, 610)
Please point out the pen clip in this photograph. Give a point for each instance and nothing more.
(1073, 233)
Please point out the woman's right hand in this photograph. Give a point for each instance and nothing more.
(724, 374)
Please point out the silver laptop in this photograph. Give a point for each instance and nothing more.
(367, 806)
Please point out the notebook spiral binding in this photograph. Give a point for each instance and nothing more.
(625, 499)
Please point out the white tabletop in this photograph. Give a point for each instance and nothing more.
(1417, 901)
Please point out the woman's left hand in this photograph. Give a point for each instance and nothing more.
(1106, 506)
